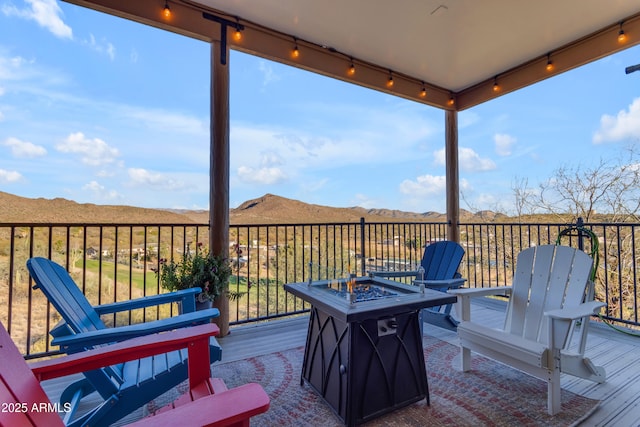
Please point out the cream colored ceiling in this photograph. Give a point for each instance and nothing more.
(453, 44)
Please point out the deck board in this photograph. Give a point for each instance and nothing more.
(620, 395)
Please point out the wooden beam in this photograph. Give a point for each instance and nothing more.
(576, 54)
(452, 177)
(219, 169)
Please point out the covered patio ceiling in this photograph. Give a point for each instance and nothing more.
(452, 54)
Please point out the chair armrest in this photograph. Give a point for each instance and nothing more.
(574, 313)
(441, 284)
(231, 407)
(149, 301)
(463, 306)
(481, 292)
(393, 273)
(78, 342)
(125, 351)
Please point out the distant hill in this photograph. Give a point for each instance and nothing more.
(268, 209)
(16, 209)
(276, 209)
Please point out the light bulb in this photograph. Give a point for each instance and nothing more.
(622, 37)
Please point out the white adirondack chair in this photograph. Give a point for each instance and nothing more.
(551, 291)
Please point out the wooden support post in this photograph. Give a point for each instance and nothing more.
(219, 169)
(453, 179)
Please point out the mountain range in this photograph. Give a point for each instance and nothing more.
(268, 209)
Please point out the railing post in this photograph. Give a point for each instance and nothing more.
(579, 226)
(362, 251)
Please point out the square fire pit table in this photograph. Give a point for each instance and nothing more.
(364, 352)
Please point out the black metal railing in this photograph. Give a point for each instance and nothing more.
(116, 262)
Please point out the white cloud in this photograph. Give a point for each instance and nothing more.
(23, 148)
(100, 192)
(163, 120)
(269, 171)
(365, 201)
(12, 68)
(360, 135)
(93, 152)
(134, 56)
(468, 159)
(427, 192)
(157, 180)
(424, 185)
(102, 46)
(467, 118)
(504, 143)
(46, 13)
(268, 75)
(93, 186)
(265, 175)
(7, 177)
(623, 126)
(313, 186)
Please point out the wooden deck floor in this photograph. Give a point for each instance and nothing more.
(618, 352)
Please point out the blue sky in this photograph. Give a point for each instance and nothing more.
(101, 110)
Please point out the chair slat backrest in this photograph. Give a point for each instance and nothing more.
(63, 293)
(441, 260)
(20, 388)
(547, 277)
(60, 289)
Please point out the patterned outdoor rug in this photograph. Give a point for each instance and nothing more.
(489, 395)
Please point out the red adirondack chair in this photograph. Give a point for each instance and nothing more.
(208, 402)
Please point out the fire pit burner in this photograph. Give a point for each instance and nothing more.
(364, 293)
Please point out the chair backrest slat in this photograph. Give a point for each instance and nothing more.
(63, 293)
(547, 277)
(540, 279)
(441, 260)
(517, 308)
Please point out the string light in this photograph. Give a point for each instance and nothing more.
(237, 36)
(423, 91)
(451, 101)
(295, 52)
(622, 37)
(167, 10)
(390, 80)
(496, 86)
(352, 68)
(550, 67)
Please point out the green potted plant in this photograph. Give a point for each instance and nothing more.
(198, 269)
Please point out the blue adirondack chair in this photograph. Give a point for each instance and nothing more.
(439, 271)
(127, 386)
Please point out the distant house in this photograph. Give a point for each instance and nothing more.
(92, 252)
